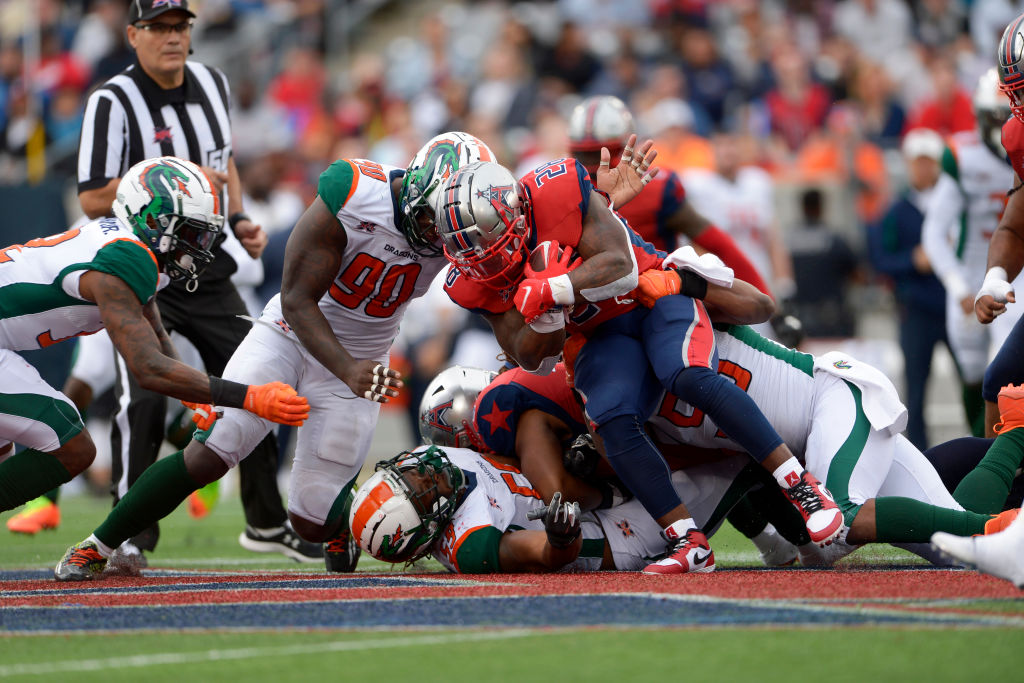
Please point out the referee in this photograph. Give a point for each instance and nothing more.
(165, 105)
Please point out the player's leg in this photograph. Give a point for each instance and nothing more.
(919, 333)
(215, 329)
(262, 357)
(38, 416)
(679, 343)
(985, 488)
(1000, 554)
(329, 452)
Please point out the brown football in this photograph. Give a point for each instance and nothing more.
(544, 254)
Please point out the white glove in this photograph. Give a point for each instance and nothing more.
(995, 286)
(708, 266)
(550, 320)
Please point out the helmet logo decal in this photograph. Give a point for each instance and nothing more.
(496, 194)
(170, 177)
(435, 416)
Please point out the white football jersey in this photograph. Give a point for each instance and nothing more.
(745, 208)
(779, 380)
(379, 272)
(40, 303)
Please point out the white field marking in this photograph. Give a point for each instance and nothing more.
(165, 658)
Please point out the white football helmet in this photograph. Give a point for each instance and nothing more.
(404, 507)
(433, 164)
(171, 205)
(991, 111)
(482, 226)
(446, 411)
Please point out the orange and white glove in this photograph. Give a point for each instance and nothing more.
(202, 414)
(277, 402)
(656, 283)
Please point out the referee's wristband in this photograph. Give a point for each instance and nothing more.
(226, 393)
(236, 217)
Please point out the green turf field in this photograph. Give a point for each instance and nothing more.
(783, 654)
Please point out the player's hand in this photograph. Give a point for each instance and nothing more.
(373, 381)
(556, 265)
(993, 296)
(534, 297)
(252, 237)
(656, 283)
(203, 414)
(277, 402)
(561, 521)
(631, 175)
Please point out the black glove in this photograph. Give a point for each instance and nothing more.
(582, 457)
(787, 327)
(561, 521)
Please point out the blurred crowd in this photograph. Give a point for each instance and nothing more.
(816, 93)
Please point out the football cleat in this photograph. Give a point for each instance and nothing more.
(690, 554)
(341, 553)
(775, 550)
(1001, 521)
(280, 540)
(81, 562)
(39, 514)
(127, 560)
(1011, 409)
(1000, 554)
(201, 501)
(822, 517)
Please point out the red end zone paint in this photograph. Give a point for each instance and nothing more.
(832, 587)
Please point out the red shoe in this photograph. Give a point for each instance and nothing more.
(690, 554)
(39, 514)
(1000, 521)
(822, 517)
(1011, 409)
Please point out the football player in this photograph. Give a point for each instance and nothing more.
(960, 219)
(105, 275)
(364, 247)
(489, 222)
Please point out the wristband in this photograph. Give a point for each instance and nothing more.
(227, 393)
(561, 290)
(996, 275)
(236, 217)
(691, 284)
(549, 321)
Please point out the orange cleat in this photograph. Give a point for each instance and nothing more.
(39, 514)
(202, 501)
(1011, 408)
(1000, 521)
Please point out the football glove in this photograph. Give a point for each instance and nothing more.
(203, 414)
(277, 402)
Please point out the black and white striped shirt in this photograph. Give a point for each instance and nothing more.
(130, 118)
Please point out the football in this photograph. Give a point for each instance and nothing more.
(543, 255)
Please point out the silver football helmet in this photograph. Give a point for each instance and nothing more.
(596, 122)
(446, 411)
(400, 511)
(482, 225)
(433, 164)
(1011, 65)
(991, 111)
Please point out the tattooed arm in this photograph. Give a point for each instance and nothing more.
(152, 313)
(528, 347)
(312, 259)
(608, 269)
(133, 332)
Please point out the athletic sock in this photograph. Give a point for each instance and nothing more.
(639, 464)
(985, 488)
(905, 520)
(974, 408)
(153, 496)
(28, 475)
(730, 407)
(788, 473)
(103, 549)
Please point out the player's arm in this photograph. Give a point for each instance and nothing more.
(312, 259)
(1005, 259)
(535, 351)
(741, 304)
(528, 550)
(152, 313)
(609, 268)
(944, 206)
(704, 234)
(251, 235)
(99, 202)
(539, 438)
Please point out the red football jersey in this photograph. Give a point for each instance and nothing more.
(647, 213)
(1013, 143)
(558, 197)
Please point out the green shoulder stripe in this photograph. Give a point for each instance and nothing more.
(130, 261)
(478, 552)
(804, 362)
(949, 164)
(337, 184)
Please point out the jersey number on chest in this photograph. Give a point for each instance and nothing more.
(370, 280)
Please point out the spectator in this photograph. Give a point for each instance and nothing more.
(895, 249)
(709, 77)
(796, 106)
(879, 114)
(949, 109)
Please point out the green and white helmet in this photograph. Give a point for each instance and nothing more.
(433, 164)
(405, 505)
(171, 205)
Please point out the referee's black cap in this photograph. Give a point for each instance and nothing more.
(143, 10)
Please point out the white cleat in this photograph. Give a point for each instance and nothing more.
(1000, 554)
(775, 550)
